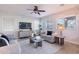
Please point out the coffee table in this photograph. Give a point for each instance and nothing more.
(36, 41)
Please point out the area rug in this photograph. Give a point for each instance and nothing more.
(47, 48)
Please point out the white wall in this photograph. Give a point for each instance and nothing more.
(70, 35)
(10, 24)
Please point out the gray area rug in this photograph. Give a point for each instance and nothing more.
(22, 46)
(47, 48)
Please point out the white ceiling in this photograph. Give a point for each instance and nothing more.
(21, 9)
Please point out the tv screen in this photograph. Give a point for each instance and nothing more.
(49, 32)
(24, 25)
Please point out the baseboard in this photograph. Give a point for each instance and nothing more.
(72, 42)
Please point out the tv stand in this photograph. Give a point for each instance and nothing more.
(24, 33)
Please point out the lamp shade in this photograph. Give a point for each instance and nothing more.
(60, 27)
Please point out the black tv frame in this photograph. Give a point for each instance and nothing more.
(24, 25)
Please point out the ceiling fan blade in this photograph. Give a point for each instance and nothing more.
(41, 10)
(30, 9)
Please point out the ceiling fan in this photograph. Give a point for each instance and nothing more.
(36, 10)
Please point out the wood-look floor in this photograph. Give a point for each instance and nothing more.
(69, 48)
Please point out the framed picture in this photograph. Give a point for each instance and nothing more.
(60, 23)
(70, 22)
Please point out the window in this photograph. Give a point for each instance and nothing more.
(36, 25)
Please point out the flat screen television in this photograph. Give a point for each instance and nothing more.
(49, 32)
(24, 25)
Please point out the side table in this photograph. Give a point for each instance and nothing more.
(59, 40)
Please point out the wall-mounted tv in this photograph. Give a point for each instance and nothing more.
(24, 25)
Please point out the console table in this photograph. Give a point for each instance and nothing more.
(24, 33)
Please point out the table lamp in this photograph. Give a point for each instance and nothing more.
(61, 28)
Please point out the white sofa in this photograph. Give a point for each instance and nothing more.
(48, 38)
